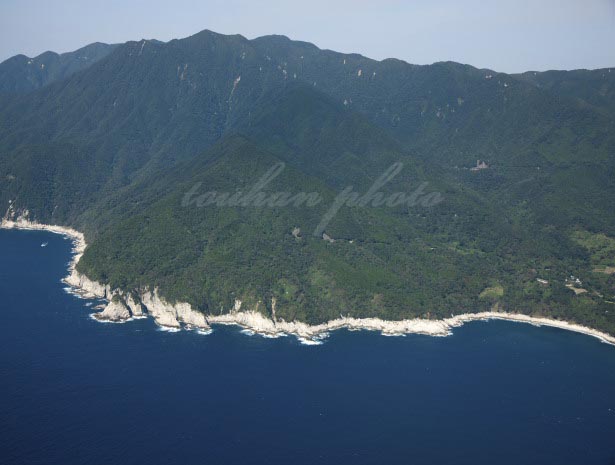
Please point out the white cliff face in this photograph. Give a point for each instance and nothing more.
(161, 312)
(250, 320)
(170, 315)
(135, 307)
(121, 307)
(86, 287)
(166, 314)
(258, 323)
(115, 311)
(186, 314)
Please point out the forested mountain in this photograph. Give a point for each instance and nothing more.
(594, 88)
(113, 148)
(22, 74)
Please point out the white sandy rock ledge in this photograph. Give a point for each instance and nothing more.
(123, 307)
(257, 323)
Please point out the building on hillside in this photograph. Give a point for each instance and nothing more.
(480, 165)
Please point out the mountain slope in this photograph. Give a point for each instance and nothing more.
(595, 88)
(388, 262)
(21, 74)
(114, 148)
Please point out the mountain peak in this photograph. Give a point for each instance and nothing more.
(208, 33)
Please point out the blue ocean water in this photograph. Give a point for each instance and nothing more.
(75, 391)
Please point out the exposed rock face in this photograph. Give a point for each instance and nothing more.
(126, 306)
(260, 324)
(115, 311)
(86, 287)
(273, 304)
(120, 308)
(327, 238)
(170, 315)
(135, 307)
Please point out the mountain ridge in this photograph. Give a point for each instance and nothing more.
(113, 148)
(20, 73)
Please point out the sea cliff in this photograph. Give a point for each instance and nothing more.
(124, 306)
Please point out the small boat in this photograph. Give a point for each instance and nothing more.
(44, 244)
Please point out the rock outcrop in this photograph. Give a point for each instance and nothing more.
(124, 306)
(86, 287)
(135, 307)
(115, 311)
(172, 315)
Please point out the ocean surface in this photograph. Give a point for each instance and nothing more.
(76, 391)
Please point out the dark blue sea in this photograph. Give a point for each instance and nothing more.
(75, 391)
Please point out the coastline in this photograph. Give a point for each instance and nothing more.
(122, 307)
(75, 236)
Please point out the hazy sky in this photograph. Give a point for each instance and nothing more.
(511, 36)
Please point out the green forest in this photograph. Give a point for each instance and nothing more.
(112, 149)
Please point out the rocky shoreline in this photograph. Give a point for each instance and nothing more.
(122, 307)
